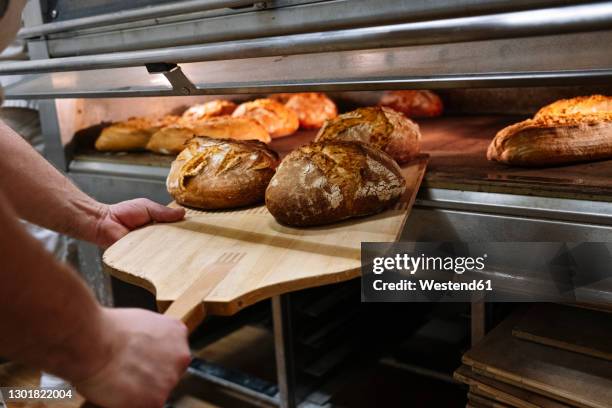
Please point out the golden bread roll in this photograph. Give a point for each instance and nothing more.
(221, 173)
(132, 134)
(171, 139)
(217, 107)
(381, 127)
(413, 104)
(275, 117)
(312, 108)
(584, 105)
(330, 181)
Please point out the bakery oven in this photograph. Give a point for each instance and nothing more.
(493, 63)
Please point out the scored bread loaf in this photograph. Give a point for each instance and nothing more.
(381, 127)
(558, 140)
(566, 131)
(330, 181)
(413, 104)
(217, 107)
(312, 108)
(221, 173)
(275, 117)
(172, 139)
(132, 134)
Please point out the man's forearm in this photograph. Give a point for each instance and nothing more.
(41, 194)
(48, 318)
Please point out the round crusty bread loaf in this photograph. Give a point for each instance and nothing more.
(221, 173)
(381, 127)
(330, 181)
(275, 117)
(413, 103)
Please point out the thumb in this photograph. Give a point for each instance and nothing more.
(161, 213)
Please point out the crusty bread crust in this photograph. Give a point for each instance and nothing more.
(312, 108)
(221, 173)
(276, 118)
(381, 127)
(217, 107)
(582, 105)
(325, 182)
(172, 139)
(566, 131)
(553, 141)
(132, 134)
(413, 103)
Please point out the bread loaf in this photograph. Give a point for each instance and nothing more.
(381, 127)
(312, 108)
(413, 104)
(132, 134)
(548, 141)
(172, 139)
(580, 105)
(566, 131)
(330, 181)
(221, 173)
(277, 119)
(217, 107)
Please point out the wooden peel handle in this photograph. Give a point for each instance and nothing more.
(187, 308)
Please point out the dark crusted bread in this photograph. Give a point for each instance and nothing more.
(381, 127)
(330, 181)
(221, 173)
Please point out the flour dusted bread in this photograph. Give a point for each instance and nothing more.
(549, 141)
(413, 104)
(276, 118)
(325, 182)
(312, 108)
(217, 107)
(381, 127)
(132, 134)
(172, 139)
(221, 173)
(566, 131)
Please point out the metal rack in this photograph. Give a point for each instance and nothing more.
(205, 48)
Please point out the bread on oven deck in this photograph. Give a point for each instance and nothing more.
(132, 134)
(172, 139)
(325, 182)
(275, 117)
(413, 104)
(221, 173)
(217, 107)
(381, 127)
(546, 141)
(566, 131)
(312, 108)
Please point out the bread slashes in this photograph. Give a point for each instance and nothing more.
(325, 182)
(381, 127)
(566, 131)
(221, 173)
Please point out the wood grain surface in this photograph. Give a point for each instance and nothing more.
(568, 377)
(503, 392)
(274, 259)
(574, 329)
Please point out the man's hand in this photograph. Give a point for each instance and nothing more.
(148, 355)
(118, 219)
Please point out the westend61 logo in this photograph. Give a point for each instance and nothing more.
(412, 264)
